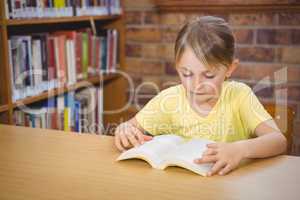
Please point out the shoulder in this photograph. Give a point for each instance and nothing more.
(235, 92)
(172, 90)
(167, 98)
(235, 89)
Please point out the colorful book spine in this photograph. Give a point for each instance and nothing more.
(18, 9)
(41, 62)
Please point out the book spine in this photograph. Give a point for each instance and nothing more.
(51, 58)
(79, 65)
(85, 55)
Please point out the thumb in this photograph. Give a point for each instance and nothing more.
(212, 145)
(147, 137)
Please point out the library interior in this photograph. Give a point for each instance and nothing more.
(85, 84)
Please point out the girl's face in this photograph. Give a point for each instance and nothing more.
(202, 85)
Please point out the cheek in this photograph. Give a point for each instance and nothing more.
(185, 82)
(215, 86)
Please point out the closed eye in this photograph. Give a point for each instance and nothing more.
(187, 75)
(209, 76)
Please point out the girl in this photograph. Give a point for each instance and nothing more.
(207, 105)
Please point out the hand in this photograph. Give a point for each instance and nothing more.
(225, 156)
(127, 136)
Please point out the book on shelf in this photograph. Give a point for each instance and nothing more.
(44, 61)
(78, 111)
(171, 150)
(24, 9)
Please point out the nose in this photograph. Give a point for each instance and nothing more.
(198, 83)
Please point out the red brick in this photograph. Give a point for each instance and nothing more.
(293, 74)
(149, 86)
(259, 54)
(274, 36)
(252, 19)
(294, 93)
(244, 3)
(149, 67)
(289, 19)
(133, 50)
(289, 55)
(295, 36)
(176, 19)
(259, 89)
(255, 71)
(151, 17)
(135, 80)
(152, 51)
(243, 36)
(223, 16)
(133, 17)
(170, 68)
(138, 5)
(133, 65)
(263, 91)
(244, 71)
(143, 34)
(155, 83)
(264, 71)
(168, 51)
(169, 81)
(193, 15)
(169, 34)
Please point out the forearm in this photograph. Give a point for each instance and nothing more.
(264, 146)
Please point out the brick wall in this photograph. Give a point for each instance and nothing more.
(266, 43)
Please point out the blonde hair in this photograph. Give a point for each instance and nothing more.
(210, 38)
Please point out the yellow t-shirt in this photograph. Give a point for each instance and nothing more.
(234, 117)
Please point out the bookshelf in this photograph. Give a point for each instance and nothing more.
(114, 85)
(59, 20)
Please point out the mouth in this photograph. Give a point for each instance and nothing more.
(198, 93)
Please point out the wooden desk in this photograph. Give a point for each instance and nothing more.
(46, 164)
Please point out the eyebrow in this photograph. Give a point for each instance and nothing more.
(205, 71)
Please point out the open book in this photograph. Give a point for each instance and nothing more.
(171, 150)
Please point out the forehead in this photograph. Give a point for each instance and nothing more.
(190, 61)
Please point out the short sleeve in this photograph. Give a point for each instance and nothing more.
(252, 111)
(156, 116)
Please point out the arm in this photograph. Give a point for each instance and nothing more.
(270, 142)
(227, 156)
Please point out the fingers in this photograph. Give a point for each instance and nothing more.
(127, 135)
(118, 143)
(147, 137)
(124, 141)
(209, 151)
(212, 145)
(225, 170)
(206, 159)
(132, 139)
(139, 135)
(217, 167)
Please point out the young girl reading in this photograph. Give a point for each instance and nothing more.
(206, 105)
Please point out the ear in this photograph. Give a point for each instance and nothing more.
(232, 67)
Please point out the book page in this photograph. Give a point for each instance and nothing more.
(153, 151)
(185, 154)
